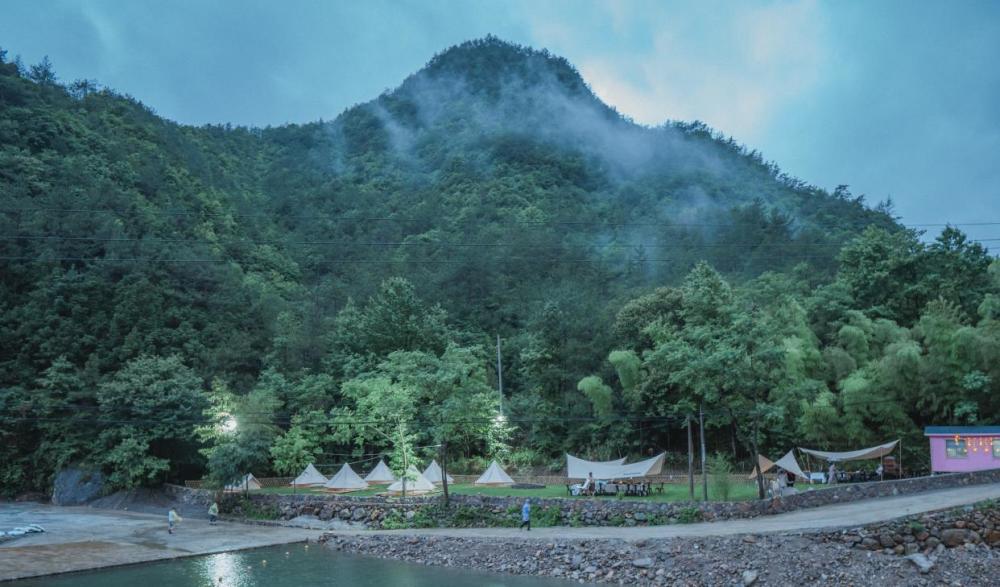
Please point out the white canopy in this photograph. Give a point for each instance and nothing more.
(247, 482)
(495, 475)
(346, 479)
(309, 477)
(380, 474)
(416, 483)
(433, 473)
(579, 468)
(854, 455)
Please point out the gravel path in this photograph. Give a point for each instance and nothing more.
(858, 513)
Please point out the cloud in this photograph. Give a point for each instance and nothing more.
(735, 72)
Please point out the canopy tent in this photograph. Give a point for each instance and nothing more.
(765, 465)
(494, 475)
(416, 483)
(433, 473)
(380, 475)
(579, 469)
(345, 480)
(247, 482)
(874, 452)
(309, 477)
(787, 463)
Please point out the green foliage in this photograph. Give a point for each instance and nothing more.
(258, 511)
(598, 394)
(394, 520)
(720, 470)
(352, 276)
(547, 516)
(689, 515)
(152, 401)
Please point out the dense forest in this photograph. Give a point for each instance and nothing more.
(179, 302)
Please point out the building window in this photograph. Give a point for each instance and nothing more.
(956, 449)
(996, 448)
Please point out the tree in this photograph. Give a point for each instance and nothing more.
(152, 407)
(43, 73)
(241, 430)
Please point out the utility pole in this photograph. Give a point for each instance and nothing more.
(444, 470)
(690, 459)
(701, 432)
(499, 375)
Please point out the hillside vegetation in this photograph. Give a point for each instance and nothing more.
(178, 301)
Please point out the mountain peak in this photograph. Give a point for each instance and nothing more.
(490, 62)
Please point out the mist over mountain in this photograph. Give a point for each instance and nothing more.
(490, 193)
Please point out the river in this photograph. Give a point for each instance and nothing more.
(294, 565)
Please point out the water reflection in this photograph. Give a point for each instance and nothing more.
(224, 570)
(286, 566)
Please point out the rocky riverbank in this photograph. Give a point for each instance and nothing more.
(741, 560)
(956, 547)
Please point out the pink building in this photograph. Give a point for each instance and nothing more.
(959, 449)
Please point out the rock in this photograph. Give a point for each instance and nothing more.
(911, 548)
(642, 563)
(886, 540)
(76, 486)
(749, 577)
(932, 542)
(924, 564)
(953, 537)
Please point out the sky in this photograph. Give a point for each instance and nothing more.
(895, 98)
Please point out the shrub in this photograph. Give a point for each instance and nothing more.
(689, 515)
(394, 521)
(548, 516)
(258, 512)
(721, 480)
(423, 518)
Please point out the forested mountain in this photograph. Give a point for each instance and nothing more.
(159, 280)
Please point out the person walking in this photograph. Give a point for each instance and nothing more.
(831, 477)
(213, 513)
(526, 515)
(173, 518)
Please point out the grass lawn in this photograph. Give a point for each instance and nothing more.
(671, 492)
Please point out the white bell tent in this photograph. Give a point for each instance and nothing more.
(380, 475)
(345, 480)
(248, 482)
(416, 483)
(433, 474)
(495, 476)
(310, 477)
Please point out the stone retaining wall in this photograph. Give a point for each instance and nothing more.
(925, 533)
(469, 510)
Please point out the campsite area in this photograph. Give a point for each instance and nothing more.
(671, 492)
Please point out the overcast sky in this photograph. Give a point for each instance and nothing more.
(897, 99)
